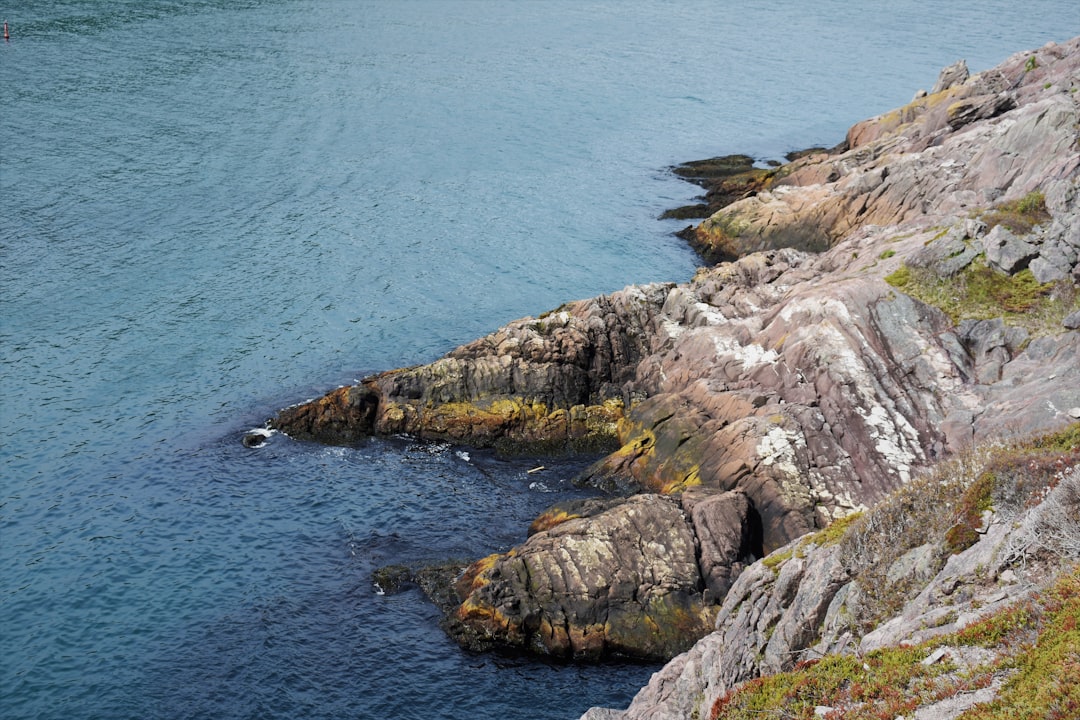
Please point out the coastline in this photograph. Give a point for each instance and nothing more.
(805, 378)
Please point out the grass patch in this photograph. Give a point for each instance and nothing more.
(981, 293)
(886, 255)
(951, 496)
(1019, 216)
(1047, 682)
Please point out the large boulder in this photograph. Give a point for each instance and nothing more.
(622, 583)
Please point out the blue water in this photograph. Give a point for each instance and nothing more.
(212, 209)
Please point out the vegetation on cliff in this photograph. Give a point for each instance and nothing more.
(1032, 663)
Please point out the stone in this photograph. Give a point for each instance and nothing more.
(615, 591)
(1045, 272)
(991, 344)
(981, 107)
(954, 74)
(1072, 321)
(1006, 251)
(946, 256)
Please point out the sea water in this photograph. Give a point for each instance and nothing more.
(211, 209)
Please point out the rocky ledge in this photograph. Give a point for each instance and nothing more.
(910, 295)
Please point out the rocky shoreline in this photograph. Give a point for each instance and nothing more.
(878, 308)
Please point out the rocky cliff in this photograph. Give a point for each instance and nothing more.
(958, 592)
(907, 296)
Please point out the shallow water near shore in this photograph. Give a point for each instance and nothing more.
(215, 209)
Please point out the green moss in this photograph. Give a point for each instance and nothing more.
(832, 534)
(980, 292)
(1031, 64)
(1047, 681)
(886, 255)
(778, 558)
(1065, 440)
(884, 683)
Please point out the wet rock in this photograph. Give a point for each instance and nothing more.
(590, 588)
(392, 579)
(572, 510)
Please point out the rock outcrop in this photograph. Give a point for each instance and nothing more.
(847, 343)
(894, 576)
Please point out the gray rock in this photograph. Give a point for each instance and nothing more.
(991, 345)
(597, 713)
(1006, 251)
(951, 75)
(720, 524)
(1044, 271)
(959, 430)
(980, 107)
(917, 563)
(945, 257)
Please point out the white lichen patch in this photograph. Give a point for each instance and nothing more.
(777, 449)
(894, 437)
(750, 355)
(710, 315)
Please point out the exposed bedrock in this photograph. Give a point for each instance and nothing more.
(995, 136)
(560, 380)
(623, 582)
(775, 393)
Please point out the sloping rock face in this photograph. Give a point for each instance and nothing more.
(772, 394)
(812, 598)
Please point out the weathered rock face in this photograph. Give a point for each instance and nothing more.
(807, 600)
(624, 582)
(559, 380)
(771, 394)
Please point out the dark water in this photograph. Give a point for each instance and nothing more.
(209, 210)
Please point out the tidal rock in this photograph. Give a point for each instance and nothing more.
(540, 383)
(587, 589)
